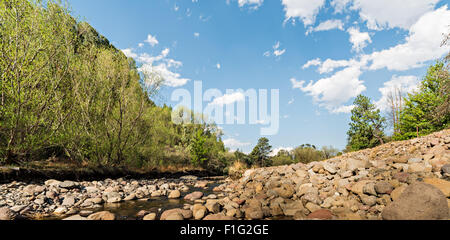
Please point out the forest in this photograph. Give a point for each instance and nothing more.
(68, 94)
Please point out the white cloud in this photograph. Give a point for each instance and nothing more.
(196, 34)
(234, 143)
(277, 150)
(254, 4)
(228, 99)
(340, 5)
(279, 52)
(129, 53)
(313, 62)
(384, 14)
(343, 109)
(305, 10)
(140, 45)
(407, 84)
(291, 101)
(327, 25)
(151, 40)
(358, 39)
(423, 44)
(176, 8)
(334, 91)
(218, 66)
(276, 51)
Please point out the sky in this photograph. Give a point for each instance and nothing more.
(319, 54)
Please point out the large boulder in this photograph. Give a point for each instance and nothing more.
(419, 201)
(104, 215)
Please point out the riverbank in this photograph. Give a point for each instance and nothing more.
(62, 171)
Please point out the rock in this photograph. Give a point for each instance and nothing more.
(358, 187)
(441, 184)
(419, 201)
(322, 214)
(174, 194)
(60, 210)
(312, 207)
(446, 168)
(85, 213)
(396, 193)
(52, 182)
(68, 201)
(185, 213)
(353, 164)
(312, 197)
(416, 167)
(254, 213)
(193, 196)
(383, 187)
(285, 191)
(218, 217)
(414, 160)
(329, 168)
(201, 184)
(104, 215)
(368, 200)
(199, 214)
(290, 209)
(142, 213)
(175, 216)
(369, 188)
(401, 176)
(76, 218)
(113, 197)
(130, 197)
(68, 184)
(150, 217)
(6, 214)
(213, 207)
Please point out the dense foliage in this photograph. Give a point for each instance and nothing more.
(366, 126)
(66, 92)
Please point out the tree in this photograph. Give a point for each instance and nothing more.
(366, 126)
(395, 101)
(427, 110)
(307, 153)
(329, 152)
(260, 153)
(199, 151)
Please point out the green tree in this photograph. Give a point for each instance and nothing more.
(260, 153)
(199, 151)
(307, 153)
(427, 110)
(366, 126)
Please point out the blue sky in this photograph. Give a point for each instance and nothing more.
(320, 54)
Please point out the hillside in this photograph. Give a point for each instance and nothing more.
(386, 182)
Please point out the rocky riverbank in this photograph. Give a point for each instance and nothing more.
(399, 180)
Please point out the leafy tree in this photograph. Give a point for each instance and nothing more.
(260, 153)
(427, 110)
(198, 149)
(307, 153)
(366, 126)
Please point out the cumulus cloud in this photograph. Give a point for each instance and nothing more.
(129, 52)
(358, 39)
(334, 91)
(234, 143)
(305, 10)
(151, 40)
(406, 84)
(313, 62)
(423, 44)
(327, 25)
(196, 34)
(254, 4)
(385, 14)
(340, 5)
(159, 64)
(228, 99)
